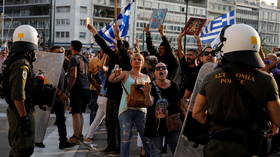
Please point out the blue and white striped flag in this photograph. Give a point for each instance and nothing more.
(214, 27)
(107, 32)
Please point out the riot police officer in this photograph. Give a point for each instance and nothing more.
(237, 100)
(17, 76)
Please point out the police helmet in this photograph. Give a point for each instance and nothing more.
(240, 43)
(26, 35)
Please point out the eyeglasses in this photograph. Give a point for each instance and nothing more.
(161, 68)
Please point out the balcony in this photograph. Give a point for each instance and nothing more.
(11, 3)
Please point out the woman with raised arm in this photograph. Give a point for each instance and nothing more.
(129, 116)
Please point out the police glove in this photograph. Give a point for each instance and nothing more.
(25, 126)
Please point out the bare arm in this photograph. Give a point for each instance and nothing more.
(199, 44)
(273, 108)
(180, 47)
(117, 76)
(73, 77)
(117, 31)
(199, 110)
(103, 62)
(136, 46)
(20, 108)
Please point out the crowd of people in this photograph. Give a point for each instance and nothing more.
(155, 90)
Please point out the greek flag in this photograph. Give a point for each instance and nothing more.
(107, 32)
(214, 27)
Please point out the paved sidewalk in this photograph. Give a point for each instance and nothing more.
(52, 150)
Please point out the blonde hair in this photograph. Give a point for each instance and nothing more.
(137, 55)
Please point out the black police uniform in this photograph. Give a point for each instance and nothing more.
(227, 109)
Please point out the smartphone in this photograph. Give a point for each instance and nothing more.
(116, 67)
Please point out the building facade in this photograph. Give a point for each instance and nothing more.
(174, 22)
(60, 21)
(36, 13)
(69, 17)
(216, 8)
(269, 25)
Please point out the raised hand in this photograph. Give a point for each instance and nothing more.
(118, 71)
(136, 43)
(92, 29)
(181, 34)
(161, 30)
(196, 36)
(117, 31)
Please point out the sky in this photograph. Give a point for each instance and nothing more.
(270, 1)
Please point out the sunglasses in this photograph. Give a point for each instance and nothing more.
(161, 68)
(208, 53)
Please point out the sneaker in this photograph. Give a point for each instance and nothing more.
(88, 140)
(40, 145)
(75, 140)
(66, 144)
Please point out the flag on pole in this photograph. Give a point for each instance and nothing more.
(214, 27)
(107, 32)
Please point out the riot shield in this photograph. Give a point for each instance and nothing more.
(185, 146)
(50, 64)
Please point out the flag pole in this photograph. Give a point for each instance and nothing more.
(116, 10)
(186, 20)
(3, 21)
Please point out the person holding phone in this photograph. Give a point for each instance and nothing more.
(132, 116)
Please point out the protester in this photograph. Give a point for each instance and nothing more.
(164, 53)
(59, 105)
(188, 66)
(79, 89)
(101, 99)
(114, 90)
(156, 127)
(132, 116)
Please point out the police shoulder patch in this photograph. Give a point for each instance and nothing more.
(24, 74)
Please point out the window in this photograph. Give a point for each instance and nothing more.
(57, 21)
(83, 9)
(67, 21)
(57, 34)
(63, 9)
(83, 35)
(62, 34)
(62, 21)
(83, 22)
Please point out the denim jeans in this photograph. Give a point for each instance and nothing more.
(127, 119)
(157, 143)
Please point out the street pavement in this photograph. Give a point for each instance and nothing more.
(51, 140)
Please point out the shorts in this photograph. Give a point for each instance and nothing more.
(79, 99)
